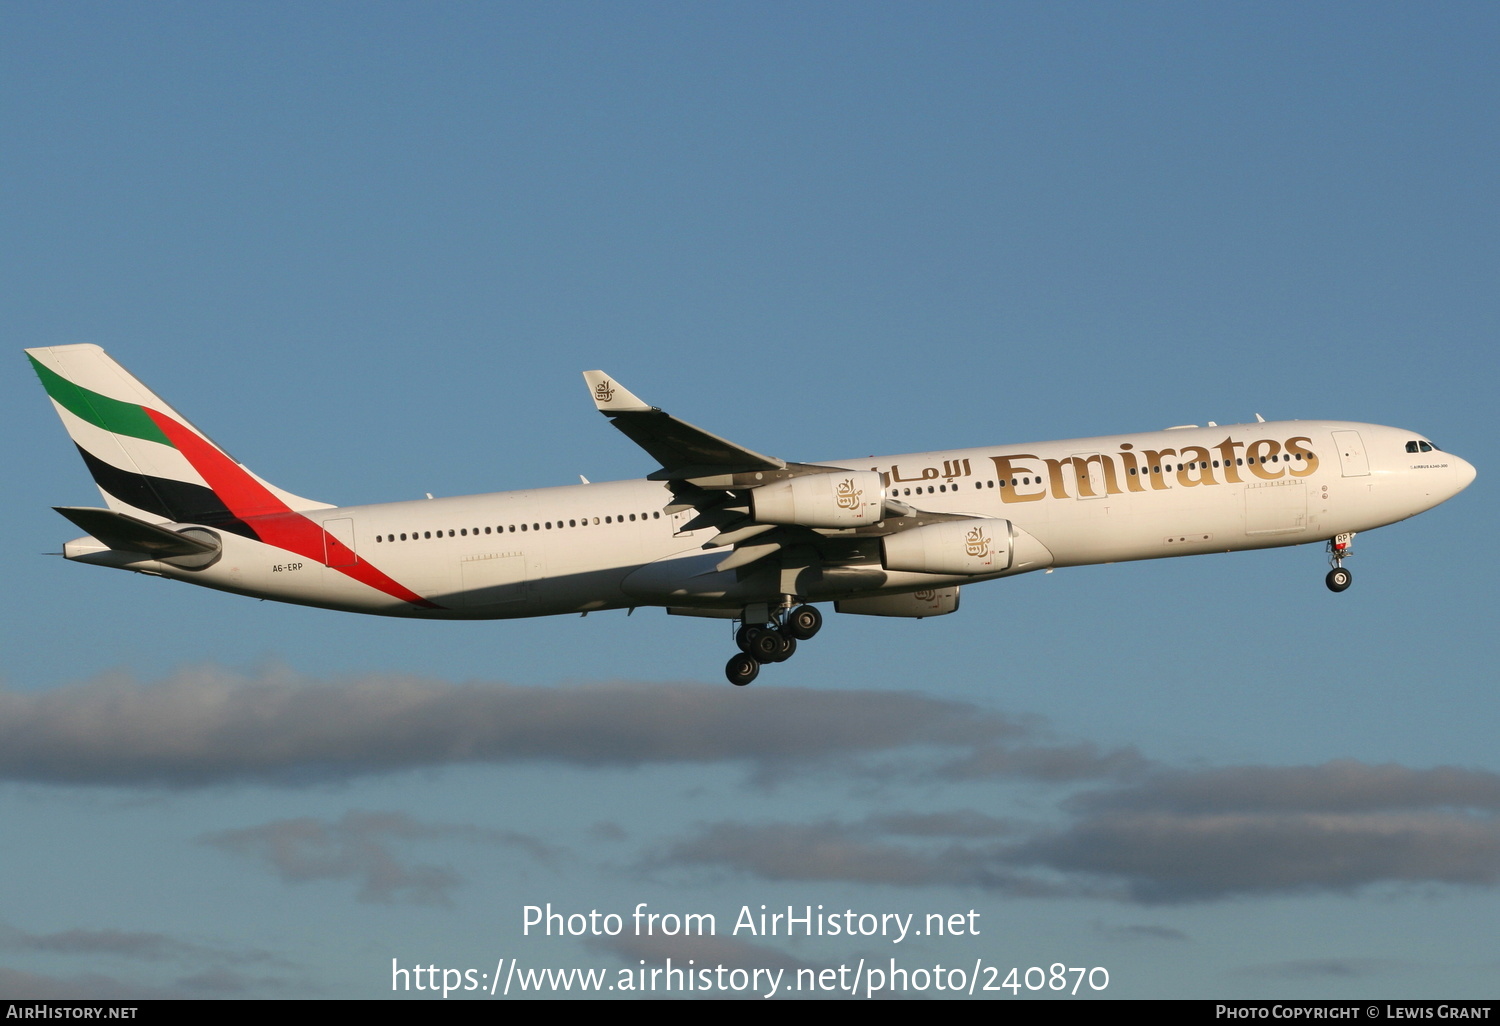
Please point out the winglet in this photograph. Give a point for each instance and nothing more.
(612, 397)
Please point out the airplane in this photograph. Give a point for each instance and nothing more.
(721, 530)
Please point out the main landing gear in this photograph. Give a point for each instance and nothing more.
(1339, 548)
(771, 642)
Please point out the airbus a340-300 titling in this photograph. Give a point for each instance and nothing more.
(721, 530)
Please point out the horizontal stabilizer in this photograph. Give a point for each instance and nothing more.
(125, 533)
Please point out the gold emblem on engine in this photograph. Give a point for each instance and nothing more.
(604, 391)
(976, 544)
(924, 596)
(846, 495)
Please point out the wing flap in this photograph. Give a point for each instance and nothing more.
(745, 554)
(735, 537)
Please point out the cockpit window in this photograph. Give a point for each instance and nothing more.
(1420, 446)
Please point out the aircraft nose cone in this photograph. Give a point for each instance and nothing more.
(1463, 474)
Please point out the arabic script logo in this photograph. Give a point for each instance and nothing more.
(976, 544)
(604, 391)
(846, 495)
(924, 596)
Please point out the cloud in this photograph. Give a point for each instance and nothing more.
(148, 947)
(136, 945)
(1329, 969)
(1162, 857)
(953, 823)
(357, 847)
(1139, 932)
(1060, 763)
(1173, 837)
(852, 852)
(1343, 785)
(607, 831)
(1244, 830)
(204, 726)
(19, 985)
(1121, 825)
(222, 982)
(207, 970)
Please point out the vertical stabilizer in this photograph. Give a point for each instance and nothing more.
(147, 460)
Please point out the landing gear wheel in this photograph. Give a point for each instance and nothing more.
(786, 648)
(1338, 579)
(745, 637)
(766, 646)
(741, 670)
(804, 622)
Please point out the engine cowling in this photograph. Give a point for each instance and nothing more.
(976, 546)
(915, 605)
(842, 499)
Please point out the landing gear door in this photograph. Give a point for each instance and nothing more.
(1352, 458)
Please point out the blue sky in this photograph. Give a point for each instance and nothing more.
(369, 247)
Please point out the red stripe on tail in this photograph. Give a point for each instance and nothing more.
(276, 523)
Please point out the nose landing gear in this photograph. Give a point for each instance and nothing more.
(771, 642)
(1340, 547)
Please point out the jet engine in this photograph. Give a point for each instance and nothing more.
(841, 499)
(979, 545)
(915, 605)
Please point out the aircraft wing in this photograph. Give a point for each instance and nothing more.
(715, 477)
(684, 451)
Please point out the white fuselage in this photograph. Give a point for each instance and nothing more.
(1094, 500)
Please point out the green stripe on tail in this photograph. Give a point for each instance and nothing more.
(122, 418)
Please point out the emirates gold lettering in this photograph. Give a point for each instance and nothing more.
(1301, 452)
(1266, 459)
(1226, 453)
(1010, 472)
(1132, 470)
(1196, 470)
(1258, 454)
(1106, 470)
(1154, 466)
(1055, 477)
